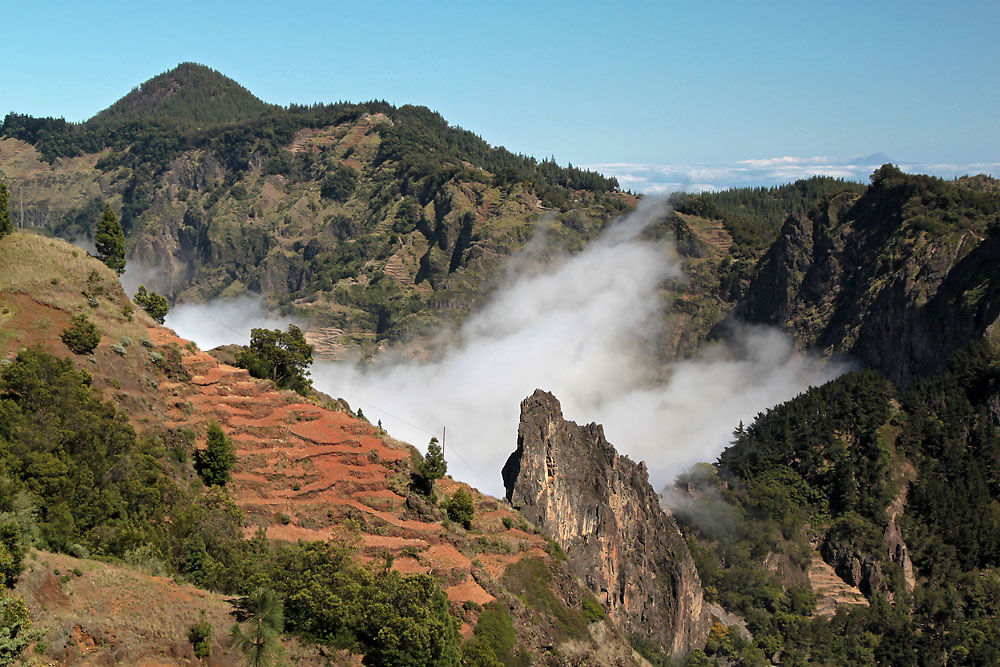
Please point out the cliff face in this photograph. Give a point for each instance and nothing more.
(897, 278)
(602, 511)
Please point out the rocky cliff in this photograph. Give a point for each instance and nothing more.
(897, 278)
(601, 509)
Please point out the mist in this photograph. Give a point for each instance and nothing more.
(584, 327)
(223, 322)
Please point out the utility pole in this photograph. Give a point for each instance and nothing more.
(444, 436)
(22, 205)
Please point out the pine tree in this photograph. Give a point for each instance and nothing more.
(215, 462)
(263, 611)
(110, 241)
(6, 227)
(155, 305)
(432, 468)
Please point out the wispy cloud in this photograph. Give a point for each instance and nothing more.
(667, 178)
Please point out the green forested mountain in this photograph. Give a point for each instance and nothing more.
(753, 216)
(365, 218)
(898, 277)
(191, 95)
(900, 494)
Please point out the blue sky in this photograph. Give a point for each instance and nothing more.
(642, 86)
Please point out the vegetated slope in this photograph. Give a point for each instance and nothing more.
(368, 219)
(898, 496)
(90, 612)
(77, 478)
(721, 236)
(897, 278)
(191, 94)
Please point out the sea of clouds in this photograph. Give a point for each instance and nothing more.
(667, 178)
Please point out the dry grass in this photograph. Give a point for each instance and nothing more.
(56, 274)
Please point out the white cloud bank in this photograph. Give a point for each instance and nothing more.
(664, 179)
(583, 327)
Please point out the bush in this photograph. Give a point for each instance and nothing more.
(460, 508)
(592, 609)
(155, 305)
(496, 628)
(81, 336)
(200, 636)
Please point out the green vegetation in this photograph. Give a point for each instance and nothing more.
(16, 634)
(592, 609)
(6, 227)
(753, 216)
(282, 357)
(430, 469)
(494, 639)
(380, 203)
(200, 636)
(109, 239)
(191, 95)
(75, 478)
(264, 613)
(460, 508)
(531, 581)
(155, 305)
(824, 467)
(933, 205)
(214, 463)
(81, 336)
(393, 619)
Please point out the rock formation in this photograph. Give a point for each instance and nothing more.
(600, 508)
(867, 278)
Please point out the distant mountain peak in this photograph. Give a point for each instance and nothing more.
(190, 94)
(879, 158)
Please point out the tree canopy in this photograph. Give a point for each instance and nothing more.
(110, 241)
(283, 357)
(155, 305)
(6, 227)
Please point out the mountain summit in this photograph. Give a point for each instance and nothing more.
(190, 94)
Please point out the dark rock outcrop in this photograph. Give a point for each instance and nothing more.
(874, 279)
(600, 508)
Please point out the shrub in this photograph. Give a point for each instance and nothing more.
(592, 609)
(460, 508)
(496, 628)
(81, 336)
(200, 636)
(155, 305)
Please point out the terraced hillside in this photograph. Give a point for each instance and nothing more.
(306, 470)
